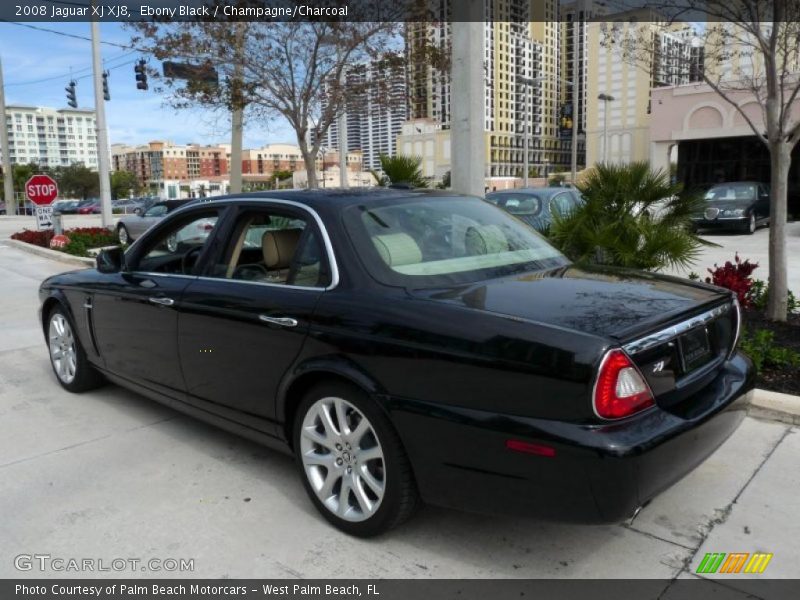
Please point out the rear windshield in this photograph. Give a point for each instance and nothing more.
(439, 241)
(518, 203)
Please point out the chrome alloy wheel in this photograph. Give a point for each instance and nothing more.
(122, 234)
(343, 459)
(62, 348)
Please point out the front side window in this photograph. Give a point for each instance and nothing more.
(274, 247)
(441, 241)
(176, 249)
(562, 204)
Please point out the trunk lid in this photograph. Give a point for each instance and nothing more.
(676, 331)
(610, 303)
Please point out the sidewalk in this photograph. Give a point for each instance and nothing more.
(111, 474)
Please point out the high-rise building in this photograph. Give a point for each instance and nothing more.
(376, 106)
(51, 137)
(522, 87)
(575, 16)
(618, 99)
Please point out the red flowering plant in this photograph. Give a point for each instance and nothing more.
(80, 238)
(735, 277)
(37, 238)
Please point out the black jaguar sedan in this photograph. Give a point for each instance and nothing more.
(741, 206)
(409, 346)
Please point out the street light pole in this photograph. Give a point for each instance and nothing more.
(575, 121)
(8, 174)
(606, 99)
(103, 166)
(343, 134)
(527, 136)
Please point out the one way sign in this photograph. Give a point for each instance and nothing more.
(44, 217)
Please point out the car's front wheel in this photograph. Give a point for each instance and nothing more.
(353, 464)
(72, 368)
(751, 224)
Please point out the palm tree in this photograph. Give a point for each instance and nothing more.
(633, 217)
(400, 170)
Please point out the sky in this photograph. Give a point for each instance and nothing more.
(133, 116)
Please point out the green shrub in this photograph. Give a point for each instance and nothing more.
(759, 296)
(761, 348)
(615, 226)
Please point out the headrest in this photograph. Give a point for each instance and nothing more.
(398, 249)
(279, 247)
(485, 239)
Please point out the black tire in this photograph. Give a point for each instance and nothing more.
(85, 376)
(751, 226)
(400, 496)
(123, 235)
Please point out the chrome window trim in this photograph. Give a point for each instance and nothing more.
(668, 333)
(326, 241)
(285, 286)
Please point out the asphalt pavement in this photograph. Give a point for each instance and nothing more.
(110, 474)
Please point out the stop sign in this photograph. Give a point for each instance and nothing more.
(41, 189)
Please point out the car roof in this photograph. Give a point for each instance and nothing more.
(547, 191)
(339, 198)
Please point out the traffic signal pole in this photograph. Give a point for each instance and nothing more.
(8, 175)
(103, 161)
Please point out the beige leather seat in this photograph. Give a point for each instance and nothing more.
(278, 248)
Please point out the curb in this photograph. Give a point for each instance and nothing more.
(51, 254)
(775, 406)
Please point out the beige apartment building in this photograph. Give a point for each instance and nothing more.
(618, 128)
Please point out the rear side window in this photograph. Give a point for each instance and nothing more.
(518, 204)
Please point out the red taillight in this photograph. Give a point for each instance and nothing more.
(620, 389)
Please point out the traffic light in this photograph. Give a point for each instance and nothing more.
(106, 93)
(72, 100)
(141, 75)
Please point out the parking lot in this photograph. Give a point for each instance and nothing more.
(110, 474)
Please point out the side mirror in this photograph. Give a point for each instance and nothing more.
(111, 260)
(139, 211)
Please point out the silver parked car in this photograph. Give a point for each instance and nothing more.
(130, 227)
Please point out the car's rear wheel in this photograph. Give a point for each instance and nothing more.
(72, 368)
(352, 462)
(122, 235)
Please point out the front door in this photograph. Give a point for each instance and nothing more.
(243, 324)
(136, 318)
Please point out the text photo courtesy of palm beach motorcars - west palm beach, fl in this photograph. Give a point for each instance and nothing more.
(493, 297)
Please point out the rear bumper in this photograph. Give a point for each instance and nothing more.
(600, 473)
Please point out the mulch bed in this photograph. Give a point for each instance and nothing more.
(786, 380)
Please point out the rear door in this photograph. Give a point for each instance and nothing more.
(244, 322)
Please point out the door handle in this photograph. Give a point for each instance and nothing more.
(161, 300)
(282, 321)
